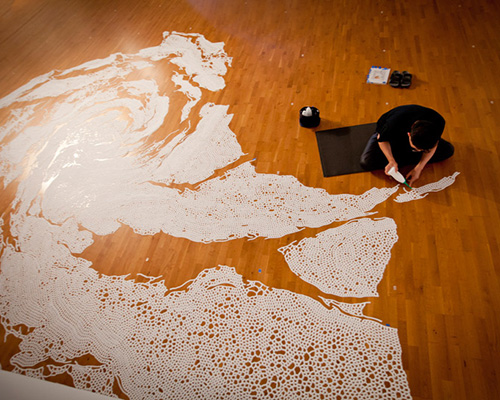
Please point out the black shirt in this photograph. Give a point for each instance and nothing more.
(394, 125)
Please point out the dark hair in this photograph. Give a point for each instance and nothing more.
(424, 135)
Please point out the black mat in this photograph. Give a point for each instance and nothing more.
(340, 149)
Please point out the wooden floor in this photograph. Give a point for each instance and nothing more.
(441, 288)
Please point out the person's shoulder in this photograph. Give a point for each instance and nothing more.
(412, 108)
(420, 112)
(432, 114)
(423, 109)
(406, 109)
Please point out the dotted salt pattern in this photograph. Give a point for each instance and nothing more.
(243, 203)
(218, 337)
(346, 261)
(422, 191)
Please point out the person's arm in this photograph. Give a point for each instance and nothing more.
(387, 150)
(414, 174)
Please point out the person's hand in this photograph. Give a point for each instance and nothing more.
(391, 164)
(413, 175)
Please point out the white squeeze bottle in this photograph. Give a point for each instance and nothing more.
(397, 176)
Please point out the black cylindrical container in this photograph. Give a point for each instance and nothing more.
(311, 121)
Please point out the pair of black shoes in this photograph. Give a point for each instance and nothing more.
(400, 79)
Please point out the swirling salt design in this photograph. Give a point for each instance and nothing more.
(83, 147)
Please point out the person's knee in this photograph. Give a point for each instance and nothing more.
(451, 150)
(370, 163)
(364, 162)
(447, 150)
(444, 151)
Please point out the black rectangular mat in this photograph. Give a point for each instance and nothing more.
(340, 149)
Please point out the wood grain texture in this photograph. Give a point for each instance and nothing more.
(441, 288)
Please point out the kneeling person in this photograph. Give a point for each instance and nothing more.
(407, 135)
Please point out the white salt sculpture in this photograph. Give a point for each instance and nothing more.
(89, 165)
(346, 261)
(422, 191)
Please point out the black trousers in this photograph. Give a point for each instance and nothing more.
(373, 158)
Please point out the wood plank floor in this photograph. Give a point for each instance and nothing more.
(441, 288)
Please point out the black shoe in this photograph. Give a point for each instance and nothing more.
(395, 79)
(406, 80)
